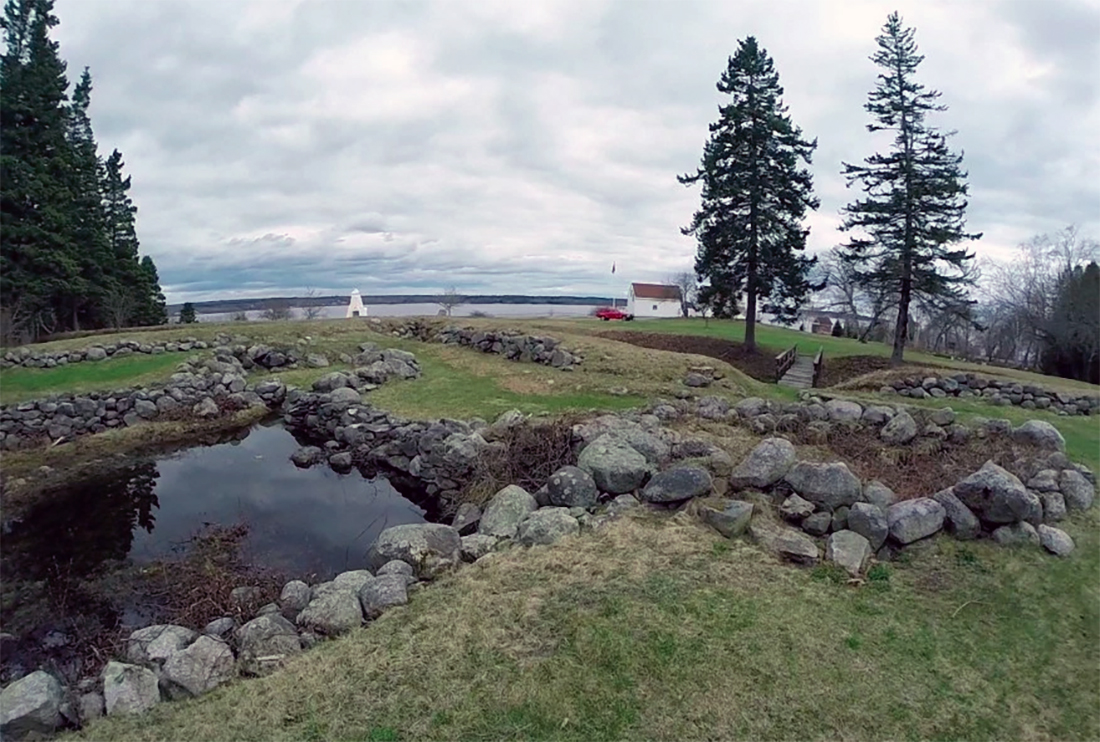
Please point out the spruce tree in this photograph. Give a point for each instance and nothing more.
(914, 197)
(152, 310)
(38, 265)
(91, 288)
(755, 193)
(187, 314)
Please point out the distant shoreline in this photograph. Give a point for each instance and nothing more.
(244, 305)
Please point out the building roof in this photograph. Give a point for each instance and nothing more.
(655, 291)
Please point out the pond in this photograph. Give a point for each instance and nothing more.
(300, 521)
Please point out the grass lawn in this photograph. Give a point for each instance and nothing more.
(667, 631)
(783, 338)
(18, 384)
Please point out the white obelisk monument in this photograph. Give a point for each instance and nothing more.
(355, 306)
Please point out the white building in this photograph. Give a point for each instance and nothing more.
(355, 306)
(653, 300)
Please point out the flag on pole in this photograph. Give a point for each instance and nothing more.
(612, 267)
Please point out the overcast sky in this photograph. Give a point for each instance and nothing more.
(524, 146)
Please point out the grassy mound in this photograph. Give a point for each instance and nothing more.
(663, 630)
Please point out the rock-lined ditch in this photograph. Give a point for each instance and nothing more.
(802, 511)
(995, 392)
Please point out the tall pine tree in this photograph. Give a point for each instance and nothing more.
(88, 290)
(914, 202)
(68, 247)
(37, 263)
(755, 194)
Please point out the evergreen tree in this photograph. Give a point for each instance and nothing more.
(913, 206)
(92, 287)
(153, 310)
(838, 329)
(37, 263)
(1071, 334)
(187, 314)
(755, 194)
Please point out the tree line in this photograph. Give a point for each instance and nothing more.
(904, 256)
(69, 252)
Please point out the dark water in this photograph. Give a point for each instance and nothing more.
(301, 521)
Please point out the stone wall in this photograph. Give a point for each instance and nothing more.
(29, 357)
(513, 345)
(996, 392)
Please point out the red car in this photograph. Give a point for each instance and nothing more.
(610, 313)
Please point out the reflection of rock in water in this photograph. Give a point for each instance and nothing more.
(75, 532)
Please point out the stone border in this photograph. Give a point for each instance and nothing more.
(995, 392)
(28, 357)
(512, 344)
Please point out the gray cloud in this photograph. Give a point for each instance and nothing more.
(505, 147)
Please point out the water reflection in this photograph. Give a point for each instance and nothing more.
(76, 531)
(300, 521)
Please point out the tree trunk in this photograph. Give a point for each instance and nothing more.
(901, 331)
(750, 311)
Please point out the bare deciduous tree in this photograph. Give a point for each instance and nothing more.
(689, 287)
(844, 292)
(119, 307)
(278, 309)
(1019, 296)
(450, 299)
(311, 309)
(239, 317)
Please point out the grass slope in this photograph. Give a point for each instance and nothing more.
(18, 384)
(666, 631)
(783, 338)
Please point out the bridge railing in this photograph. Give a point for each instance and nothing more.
(784, 361)
(819, 366)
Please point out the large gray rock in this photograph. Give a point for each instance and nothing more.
(827, 485)
(477, 545)
(1055, 540)
(1041, 434)
(614, 465)
(352, 580)
(1045, 481)
(334, 613)
(877, 414)
(89, 706)
(959, 520)
(95, 354)
(203, 666)
(30, 706)
(996, 496)
(817, 524)
(869, 521)
(877, 493)
(205, 407)
(571, 487)
(730, 519)
(1054, 506)
(129, 689)
(506, 511)
(750, 407)
(429, 548)
(1016, 534)
(397, 567)
(795, 508)
(382, 593)
(294, 598)
(795, 547)
(547, 526)
(765, 465)
(265, 642)
(901, 429)
(677, 484)
(849, 550)
(330, 381)
(345, 395)
(912, 520)
(1077, 490)
(155, 644)
(466, 518)
(844, 411)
